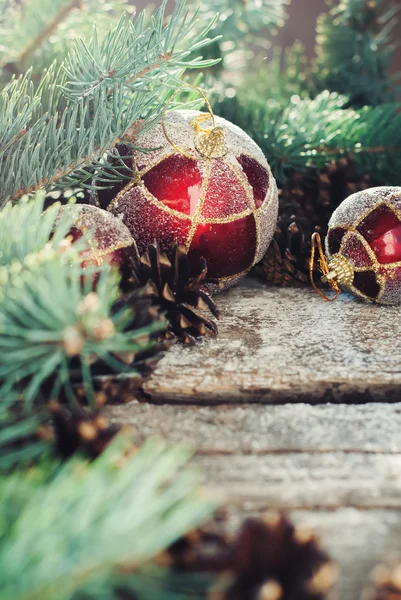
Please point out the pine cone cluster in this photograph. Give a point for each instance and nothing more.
(183, 296)
(307, 202)
(267, 560)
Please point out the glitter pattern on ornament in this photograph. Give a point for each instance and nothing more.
(222, 209)
(109, 242)
(366, 229)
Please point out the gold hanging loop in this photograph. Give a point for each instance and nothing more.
(209, 141)
(324, 268)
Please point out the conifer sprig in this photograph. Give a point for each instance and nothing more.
(20, 443)
(94, 521)
(312, 132)
(51, 318)
(238, 19)
(52, 321)
(82, 110)
(26, 229)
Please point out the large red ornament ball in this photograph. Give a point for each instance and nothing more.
(109, 241)
(222, 207)
(366, 230)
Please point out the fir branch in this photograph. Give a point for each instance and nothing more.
(242, 30)
(355, 44)
(50, 319)
(311, 133)
(237, 18)
(53, 326)
(134, 55)
(25, 229)
(94, 521)
(83, 110)
(285, 74)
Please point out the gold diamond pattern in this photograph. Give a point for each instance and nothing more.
(205, 164)
(376, 266)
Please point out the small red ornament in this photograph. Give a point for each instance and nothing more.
(208, 189)
(109, 241)
(363, 245)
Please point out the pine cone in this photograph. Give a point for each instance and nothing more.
(145, 313)
(266, 560)
(307, 202)
(84, 430)
(386, 581)
(281, 265)
(275, 561)
(170, 285)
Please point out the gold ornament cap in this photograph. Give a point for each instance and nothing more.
(340, 269)
(337, 271)
(209, 141)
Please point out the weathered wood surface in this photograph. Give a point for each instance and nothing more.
(277, 345)
(333, 468)
(253, 404)
(298, 457)
(257, 430)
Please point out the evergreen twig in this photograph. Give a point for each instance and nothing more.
(238, 19)
(49, 29)
(69, 526)
(52, 323)
(80, 111)
(34, 34)
(20, 439)
(314, 132)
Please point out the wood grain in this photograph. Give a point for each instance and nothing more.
(334, 468)
(277, 345)
(296, 407)
(297, 457)
(257, 429)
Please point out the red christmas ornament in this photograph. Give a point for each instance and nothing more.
(363, 245)
(109, 241)
(209, 189)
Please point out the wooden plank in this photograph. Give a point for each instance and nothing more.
(257, 429)
(334, 468)
(311, 481)
(286, 457)
(324, 465)
(280, 344)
